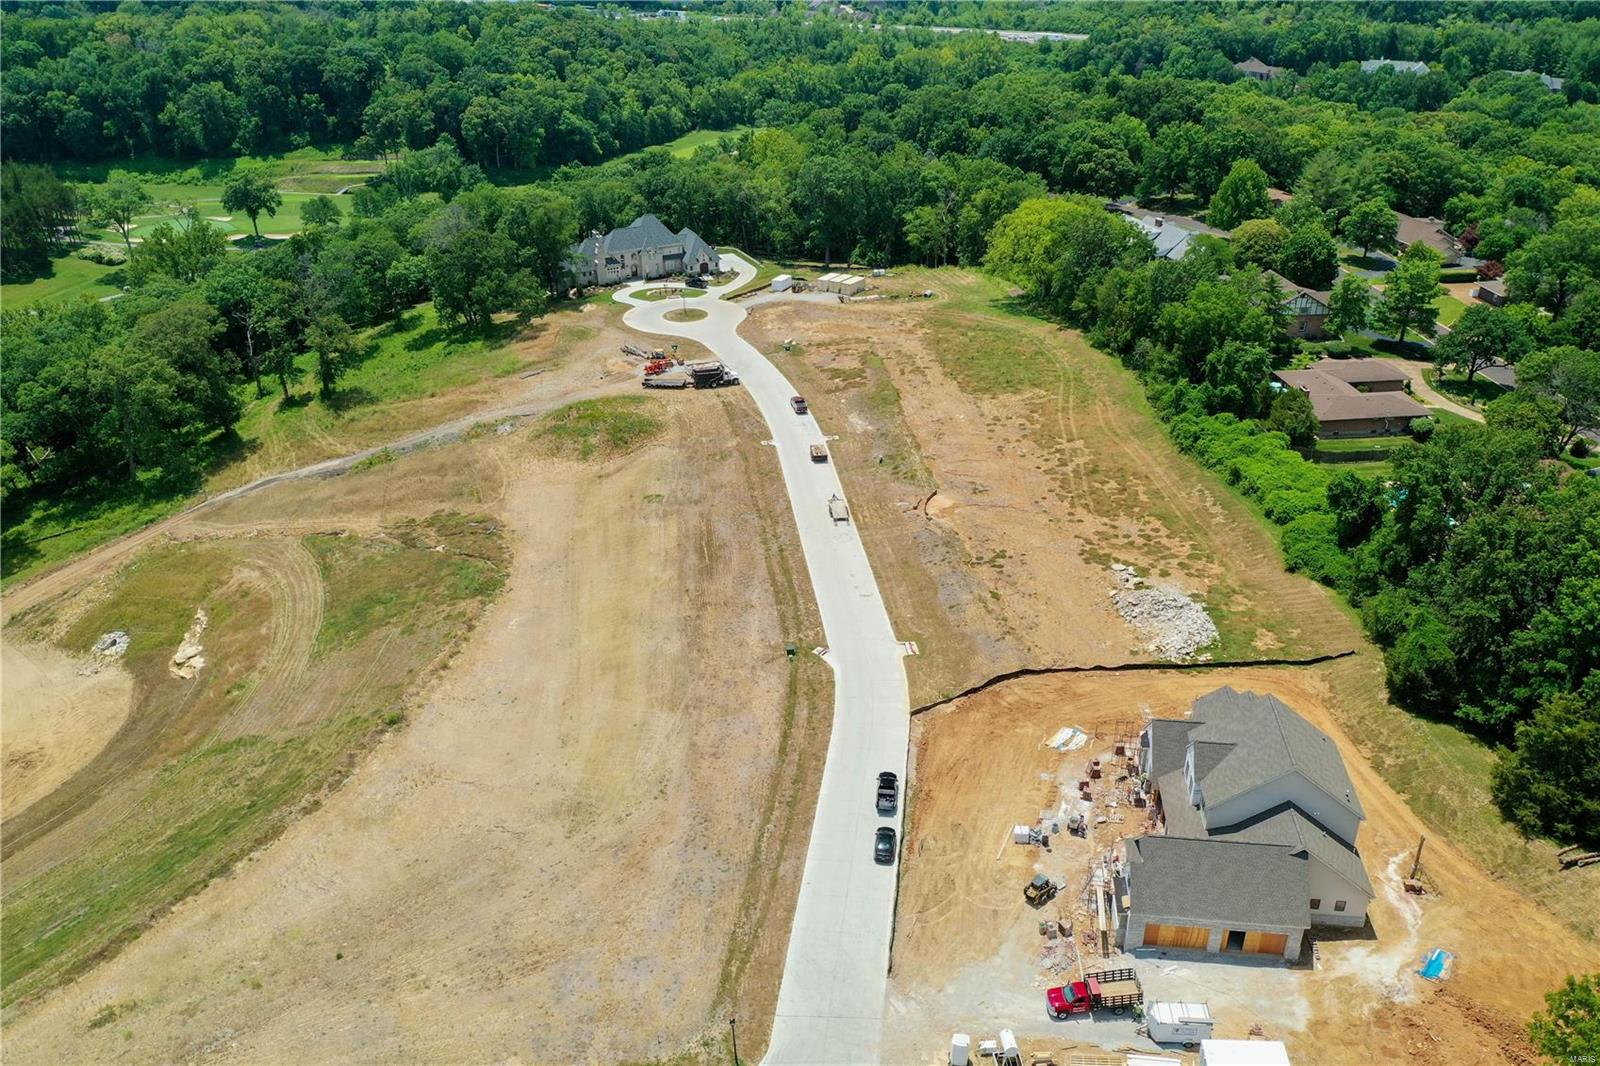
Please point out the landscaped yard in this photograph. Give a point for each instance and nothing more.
(1450, 309)
(1455, 385)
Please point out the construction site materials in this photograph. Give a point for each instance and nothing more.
(1178, 1023)
(960, 1047)
(1039, 891)
(819, 454)
(1436, 965)
(1021, 834)
(1243, 1053)
(838, 510)
(667, 381)
(1010, 1053)
(657, 366)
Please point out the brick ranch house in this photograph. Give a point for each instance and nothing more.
(1261, 822)
(1355, 397)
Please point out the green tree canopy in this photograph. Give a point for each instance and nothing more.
(1241, 196)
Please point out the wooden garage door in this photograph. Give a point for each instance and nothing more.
(1265, 943)
(1193, 937)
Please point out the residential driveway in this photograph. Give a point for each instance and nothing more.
(835, 978)
(1426, 393)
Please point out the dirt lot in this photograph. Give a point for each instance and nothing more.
(969, 949)
(597, 808)
(59, 711)
(1000, 465)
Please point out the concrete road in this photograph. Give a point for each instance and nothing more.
(835, 978)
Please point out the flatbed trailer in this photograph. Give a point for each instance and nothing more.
(838, 510)
(666, 381)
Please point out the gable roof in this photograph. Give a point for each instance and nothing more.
(1334, 400)
(1256, 66)
(1267, 741)
(1287, 825)
(1171, 234)
(1430, 231)
(1168, 739)
(1550, 81)
(1215, 882)
(1301, 293)
(1404, 66)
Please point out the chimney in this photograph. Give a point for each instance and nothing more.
(1159, 222)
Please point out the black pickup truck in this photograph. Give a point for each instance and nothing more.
(888, 792)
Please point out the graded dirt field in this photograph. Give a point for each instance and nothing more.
(59, 711)
(597, 811)
(969, 950)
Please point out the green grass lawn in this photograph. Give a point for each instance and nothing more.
(670, 294)
(1445, 416)
(172, 198)
(766, 270)
(1363, 444)
(607, 426)
(684, 147)
(69, 276)
(1455, 386)
(1450, 309)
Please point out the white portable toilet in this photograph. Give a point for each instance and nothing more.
(1179, 1023)
(960, 1049)
(1010, 1054)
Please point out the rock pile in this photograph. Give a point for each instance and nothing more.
(187, 660)
(1174, 626)
(112, 645)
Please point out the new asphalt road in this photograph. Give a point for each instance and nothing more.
(835, 978)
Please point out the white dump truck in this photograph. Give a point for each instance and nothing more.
(1178, 1023)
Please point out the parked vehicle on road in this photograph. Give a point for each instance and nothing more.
(888, 792)
(838, 510)
(799, 404)
(819, 454)
(1114, 990)
(883, 846)
(710, 374)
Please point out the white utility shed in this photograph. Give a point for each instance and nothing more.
(1243, 1053)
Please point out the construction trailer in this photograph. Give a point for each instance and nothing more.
(783, 283)
(1178, 1023)
(1243, 1053)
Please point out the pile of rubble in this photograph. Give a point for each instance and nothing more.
(112, 645)
(1174, 626)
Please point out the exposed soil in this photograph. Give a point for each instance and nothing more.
(600, 808)
(963, 924)
(59, 711)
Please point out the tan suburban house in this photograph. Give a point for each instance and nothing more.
(1429, 231)
(1355, 397)
(1307, 309)
(1261, 821)
(645, 248)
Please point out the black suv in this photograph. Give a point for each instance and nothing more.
(883, 846)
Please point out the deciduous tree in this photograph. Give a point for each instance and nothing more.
(252, 191)
(1409, 292)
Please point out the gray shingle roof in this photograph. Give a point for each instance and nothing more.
(1334, 400)
(646, 231)
(1285, 824)
(1183, 818)
(1168, 739)
(1268, 741)
(1214, 882)
(1404, 66)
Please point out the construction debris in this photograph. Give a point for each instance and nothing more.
(112, 645)
(1069, 738)
(1173, 625)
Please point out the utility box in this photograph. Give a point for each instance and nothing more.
(1179, 1023)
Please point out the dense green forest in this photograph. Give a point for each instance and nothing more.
(507, 130)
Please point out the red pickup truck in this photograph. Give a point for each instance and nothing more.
(1116, 990)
